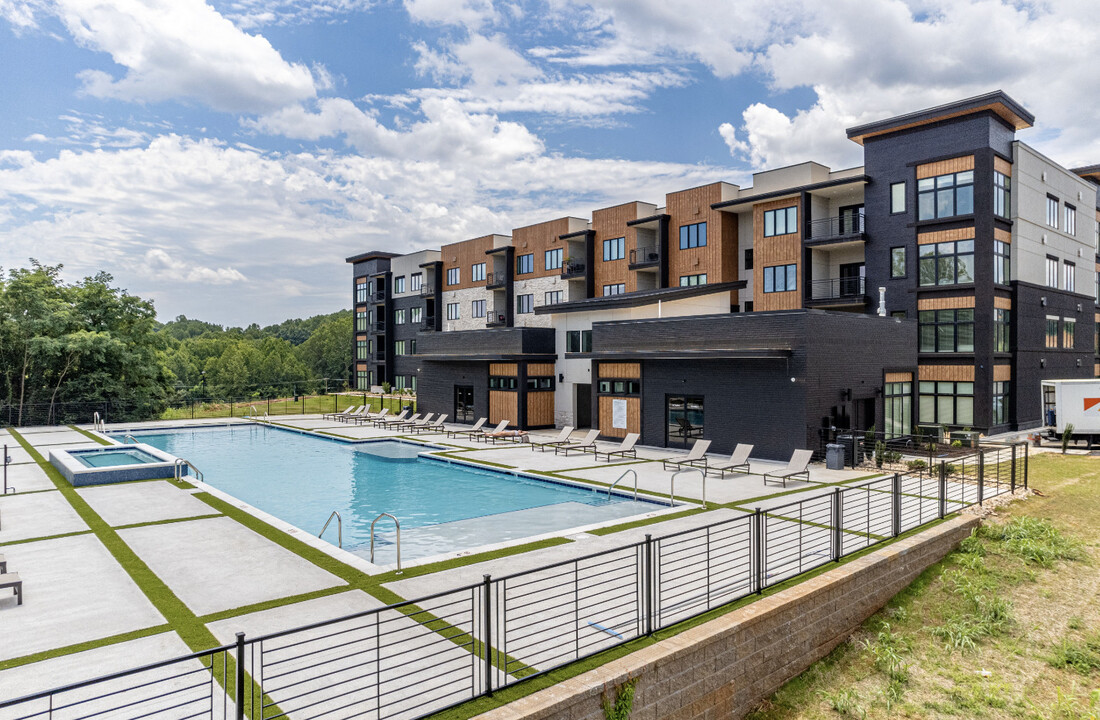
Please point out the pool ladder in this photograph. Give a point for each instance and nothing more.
(178, 467)
(628, 472)
(339, 527)
(397, 524)
(98, 423)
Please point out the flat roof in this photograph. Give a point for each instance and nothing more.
(775, 194)
(372, 255)
(637, 299)
(997, 102)
(686, 354)
(1089, 172)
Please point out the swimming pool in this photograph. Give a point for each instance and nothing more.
(442, 507)
(113, 457)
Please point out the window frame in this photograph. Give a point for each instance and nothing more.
(553, 259)
(937, 392)
(525, 264)
(894, 187)
(614, 289)
(693, 280)
(936, 321)
(788, 212)
(477, 272)
(399, 316)
(454, 276)
(478, 308)
(457, 308)
(748, 258)
(525, 304)
(1070, 214)
(937, 185)
(1069, 282)
(1052, 211)
(1002, 194)
(693, 235)
(904, 262)
(937, 259)
(416, 281)
(771, 273)
(1052, 272)
(553, 297)
(614, 249)
(399, 285)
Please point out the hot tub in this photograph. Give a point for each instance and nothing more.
(114, 463)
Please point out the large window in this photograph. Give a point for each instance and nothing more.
(361, 349)
(1067, 273)
(897, 197)
(416, 315)
(945, 195)
(452, 311)
(614, 289)
(1071, 219)
(1000, 402)
(780, 222)
(1052, 211)
(946, 403)
(360, 321)
(1002, 322)
(946, 331)
(525, 304)
(693, 236)
(947, 263)
(399, 285)
(416, 281)
(454, 276)
(1002, 194)
(578, 341)
(553, 297)
(525, 264)
(1068, 327)
(619, 387)
(399, 317)
(477, 272)
(688, 280)
(553, 259)
(361, 292)
(748, 259)
(503, 383)
(614, 249)
(1052, 271)
(477, 308)
(399, 347)
(1002, 262)
(897, 262)
(362, 380)
(899, 409)
(1052, 332)
(780, 278)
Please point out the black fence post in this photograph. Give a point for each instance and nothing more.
(1013, 476)
(487, 586)
(943, 489)
(760, 575)
(837, 519)
(897, 504)
(1027, 452)
(981, 476)
(192, 408)
(647, 583)
(239, 688)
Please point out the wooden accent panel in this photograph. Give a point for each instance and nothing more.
(718, 259)
(536, 240)
(899, 377)
(540, 409)
(1002, 303)
(503, 405)
(540, 369)
(957, 373)
(999, 108)
(954, 165)
(360, 337)
(945, 303)
(610, 223)
(628, 371)
(775, 250)
(1002, 373)
(633, 416)
(465, 255)
(507, 369)
(1002, 166)
(361, 366)
(362, 280)
(1096, 317)
(1003, 235)
(966, 233)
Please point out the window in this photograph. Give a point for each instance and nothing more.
(553, 297)
(360, 321)
(1052, 211)
(1052, 332)
(618, 289)
(945, 195)
(362, 380)
(1068, 326)
(502, 383)
(897, 197)
(1002, 262)
(614, 249)
(780, 222)
(399, 284)
(452, 311)
(1002, 322)
(361, 292)
(416, 315)
(947, 263)
(1000, 402)
(399, 347)
(477, 309)
(525, 264)
(454, 275)
(1067, 273)
(748, 259)
(578, 341)
(693, 236)
(897, 262)
(619, 387)
(540, 383)
(899, 314)
(416, 281)
(398, 317)
(946, 331)
(780, 278)
(477, 272)
(1071, 219)
(1002, 194)
(361, 349)
(689, 280)
(370, 347)
(1052, 271)
(946, 403)
(553, 259)
(412, 347)
(525, 304)
(899, 409)
(748, 306)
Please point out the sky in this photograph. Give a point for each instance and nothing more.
(222, 158)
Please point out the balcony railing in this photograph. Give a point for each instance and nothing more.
(495, 319)
(841, 226)
(427, 289)
(379, 296)
(644, 256)
(379, 326)
(496, 280)
(572, 270)
(429, 323)
(832, 289)
(380, 356)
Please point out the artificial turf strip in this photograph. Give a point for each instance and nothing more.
(642, 523)
(270, 604)
(48, 537)
(168, 521)
(91, 436)
(81, 647)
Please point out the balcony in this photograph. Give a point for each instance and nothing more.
(427, 289)
(380, 356)
(429, 323)
(842, 228)
(495, 319)
(496, 280)
(643, 257)
(572, 270)
(379, 326)
(379, 296)
(837, 292)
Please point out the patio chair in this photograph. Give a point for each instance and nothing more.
(12, 580)
(484, 434)
(588, 444)
(369, 417)
(696, 458)
(416, 420)
(3, 565)
(362, 411)
(739, 459)
(516, 436)
(626, 449)
(468, 432)
(400, 420)
(433, 426)
(381, 421)
(797, 467)
(346, 411)
(561, 439)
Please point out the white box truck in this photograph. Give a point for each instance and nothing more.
(1072, 402)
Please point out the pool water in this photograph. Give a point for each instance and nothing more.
(113, 458)
(442, 507)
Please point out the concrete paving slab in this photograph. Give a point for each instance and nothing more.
(36, 515)
(16, 452)
(218, 564)
(75, 591)
(36, 429)
(28, 477)
(63, 437)
(130, 503)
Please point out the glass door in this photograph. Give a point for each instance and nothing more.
(851, 279)
(683, 420)
(464, 403)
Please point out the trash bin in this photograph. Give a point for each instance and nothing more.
(834, 456)
(406, 408)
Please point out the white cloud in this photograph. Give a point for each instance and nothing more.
(160, 264)
(258, 13)
(472, 14)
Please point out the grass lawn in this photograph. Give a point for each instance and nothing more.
(305, 405)
(1008, 626)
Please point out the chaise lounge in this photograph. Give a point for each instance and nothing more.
(433, 426)
(349, 410)
(469, 432)
(739, 460)
(561, 439)
(797, 467)
(587, 444)
(696, 458)
(626, 449)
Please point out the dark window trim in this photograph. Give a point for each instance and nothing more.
(904, 275)
(905, 184)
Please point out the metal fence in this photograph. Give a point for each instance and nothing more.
(418, 657)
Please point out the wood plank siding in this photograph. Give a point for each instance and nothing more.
(633, 416)
(464, 255)
(718, 259)
(775, 250)
(504, 405)
(954, 165)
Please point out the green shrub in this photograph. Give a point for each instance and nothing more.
(1035, 540)
(1066, 436)
(916, 464)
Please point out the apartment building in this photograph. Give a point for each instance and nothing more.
(936, 284)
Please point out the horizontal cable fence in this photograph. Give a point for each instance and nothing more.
(418, 657)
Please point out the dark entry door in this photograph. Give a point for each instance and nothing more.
(851, 219)
(683, 420)
(464, 403)
(584, 405)
(851, 279)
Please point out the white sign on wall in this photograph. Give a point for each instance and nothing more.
(618, 413)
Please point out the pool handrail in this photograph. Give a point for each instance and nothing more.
(628, 472)
(672, 485)
(398, 525)
(178, 470)
(339, 528)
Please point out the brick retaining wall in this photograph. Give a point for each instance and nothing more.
(726, 667)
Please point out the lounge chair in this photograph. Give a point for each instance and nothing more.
(12, 580)
(400, 420)
(739, 459)
(3, 565)
(416, 420)
(382, 421)
(696, 458)
(516, 436)
(626, 449)
(485, 434)
(797, 467)
(369, 417)
(434, 426)
(469, 432)
(588, 444)
(561, 439)
(346, 411)
(363, 411)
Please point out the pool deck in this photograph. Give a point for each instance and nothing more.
(128, 574)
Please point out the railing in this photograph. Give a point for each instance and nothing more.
(496, 279)
(397, 524)
(98, 423)
(628, 472)
(178, 466)
(838, 288)
(672, 484)
(572, 269)
(380, 356)
(379, 296)
(379, 326)
(495, 319)
(851, 224)
(429, 322)
(427, 289)
(419, 657)
(339, 528)
(643, 256)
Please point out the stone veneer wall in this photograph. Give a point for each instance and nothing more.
(726, 667)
